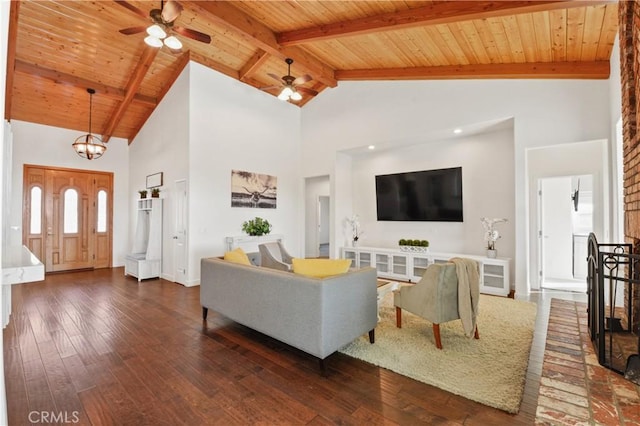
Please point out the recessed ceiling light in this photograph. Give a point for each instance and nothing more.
(457, 131)
(372, 147)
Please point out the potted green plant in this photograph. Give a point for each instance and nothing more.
(143, 193)
(256, 227)
(155, 193)
(413, 245)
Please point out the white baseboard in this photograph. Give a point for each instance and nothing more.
(192, 283)
(171, 278)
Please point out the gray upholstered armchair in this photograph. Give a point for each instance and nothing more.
(273, 255)
(446, 292)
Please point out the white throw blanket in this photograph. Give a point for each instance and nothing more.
(468, 292)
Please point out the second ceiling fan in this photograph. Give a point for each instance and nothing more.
(291, 85)
(163, 20)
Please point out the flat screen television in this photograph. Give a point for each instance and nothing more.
(429, 195)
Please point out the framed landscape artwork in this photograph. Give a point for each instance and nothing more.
(253, 190)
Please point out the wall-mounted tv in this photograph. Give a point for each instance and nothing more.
(429, 195)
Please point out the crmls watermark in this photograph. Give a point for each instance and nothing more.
(54, 417)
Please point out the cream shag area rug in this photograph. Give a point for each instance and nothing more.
(490, 370)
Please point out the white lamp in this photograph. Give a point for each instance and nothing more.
(172, 42)
(153, 41)
(156, 31)
(285, 94)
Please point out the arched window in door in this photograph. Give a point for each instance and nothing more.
(35, 221)
(101, 226)
(70, 211)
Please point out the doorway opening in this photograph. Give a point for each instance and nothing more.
(317, 217)
(565, 221)
(323, 225)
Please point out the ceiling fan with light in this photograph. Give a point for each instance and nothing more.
(163, 19)
(290, 85)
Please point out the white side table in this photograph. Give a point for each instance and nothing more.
(384, 288)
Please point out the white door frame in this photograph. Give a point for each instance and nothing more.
(547, 161)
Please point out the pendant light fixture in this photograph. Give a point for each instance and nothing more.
(89, 146)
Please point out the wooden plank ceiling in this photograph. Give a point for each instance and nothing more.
(58, 49)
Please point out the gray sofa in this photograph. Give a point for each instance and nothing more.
(317, 316)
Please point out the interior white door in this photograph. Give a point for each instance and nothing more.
(556, 228)
(180, 233)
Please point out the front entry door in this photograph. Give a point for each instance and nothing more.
(67, 213)
(67, 217)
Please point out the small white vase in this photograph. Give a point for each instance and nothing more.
(492, 254)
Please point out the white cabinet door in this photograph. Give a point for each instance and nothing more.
(419, 264)
(494, 277)
(382, 264)
(400, 266)
(365, 259)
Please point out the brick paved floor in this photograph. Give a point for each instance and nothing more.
(574, 388)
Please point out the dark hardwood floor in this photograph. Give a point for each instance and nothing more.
(100, 348)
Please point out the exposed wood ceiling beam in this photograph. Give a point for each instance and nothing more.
(573, 70)
(258, 84)
(436, 13)
(223, 13)
(11, 57)
(72, 80)
(210, 63)
(148, 55)
(181, 64)
(253, 64)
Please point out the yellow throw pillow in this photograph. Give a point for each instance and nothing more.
(320, 268)
(237, 256)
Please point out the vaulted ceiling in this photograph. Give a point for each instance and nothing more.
(58, 49)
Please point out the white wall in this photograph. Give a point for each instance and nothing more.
(545, 112)
(341, 188)
(235, 127)
(51, 146)
(488, 190)
(207, 125)
(162, 145)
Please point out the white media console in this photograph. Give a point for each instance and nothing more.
(410, 266)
